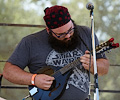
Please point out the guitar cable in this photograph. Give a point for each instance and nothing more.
(89, 78)
(26, 97)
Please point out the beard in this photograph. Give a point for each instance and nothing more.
(64, 45)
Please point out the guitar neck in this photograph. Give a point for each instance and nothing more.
(77, 61)
(70, 66)
(99, 49)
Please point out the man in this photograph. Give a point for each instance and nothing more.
(60, 44)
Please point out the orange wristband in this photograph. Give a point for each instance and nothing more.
(33, 79)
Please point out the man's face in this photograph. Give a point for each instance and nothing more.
(64, 33)
(64, 38)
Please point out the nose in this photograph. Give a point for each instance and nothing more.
(68, 36)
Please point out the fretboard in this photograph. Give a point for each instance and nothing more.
(70, 66)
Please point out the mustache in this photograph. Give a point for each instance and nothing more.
(67, 44)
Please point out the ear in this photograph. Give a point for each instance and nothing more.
(47, 29)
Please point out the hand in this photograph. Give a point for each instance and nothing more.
(85, 60)
(43, 81)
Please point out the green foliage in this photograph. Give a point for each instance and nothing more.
(12, 11)
(107, 21)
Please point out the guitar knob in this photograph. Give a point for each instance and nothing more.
(111, 40)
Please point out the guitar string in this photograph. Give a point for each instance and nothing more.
(67, 67)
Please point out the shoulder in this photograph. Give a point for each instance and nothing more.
(37, 34)
(41, 35)
(83, 28)
(84, 31)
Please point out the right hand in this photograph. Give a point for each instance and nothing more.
(43, 81)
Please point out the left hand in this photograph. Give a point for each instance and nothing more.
(85, 60)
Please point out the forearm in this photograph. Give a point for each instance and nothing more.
(16, 75)
(102, 67)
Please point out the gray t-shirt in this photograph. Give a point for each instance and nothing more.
(35, 52)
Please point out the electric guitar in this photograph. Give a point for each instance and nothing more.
(61, 75)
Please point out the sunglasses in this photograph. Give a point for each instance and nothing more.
(71, 30)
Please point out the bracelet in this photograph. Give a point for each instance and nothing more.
(33, 79)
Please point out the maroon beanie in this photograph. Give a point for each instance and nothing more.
(56, 16)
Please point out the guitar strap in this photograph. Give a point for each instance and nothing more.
(83, 40)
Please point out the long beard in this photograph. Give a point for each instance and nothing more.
(64, 45)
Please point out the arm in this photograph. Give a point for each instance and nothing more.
(102, 64)
(18, 76)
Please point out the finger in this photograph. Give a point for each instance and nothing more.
(85, 56)
(46, 87)
(87, 52)
(84, 60)
(86, 66)
(86, 63)
(49, 78)
(48, 82)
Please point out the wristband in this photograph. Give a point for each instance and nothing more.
(33, 79)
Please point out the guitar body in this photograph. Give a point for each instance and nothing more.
(57, 87)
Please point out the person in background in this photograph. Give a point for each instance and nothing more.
(61, 43)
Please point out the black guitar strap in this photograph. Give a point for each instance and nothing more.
(82, 39)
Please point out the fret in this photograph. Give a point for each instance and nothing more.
(70, 66)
